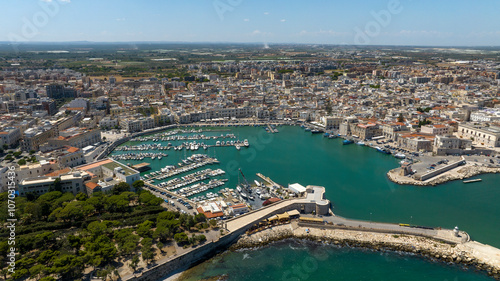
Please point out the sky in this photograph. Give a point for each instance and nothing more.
(359, 22)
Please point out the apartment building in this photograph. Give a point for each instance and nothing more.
(72, 182)
(489, 136)
(437, 129)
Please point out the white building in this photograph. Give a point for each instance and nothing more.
(438, 130)
(489, 136)
(10, 136)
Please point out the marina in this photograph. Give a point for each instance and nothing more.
(352, 165)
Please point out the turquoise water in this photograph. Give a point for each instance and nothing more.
(355, 181)
(292, 260)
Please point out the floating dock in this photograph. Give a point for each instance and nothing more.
(471, 181)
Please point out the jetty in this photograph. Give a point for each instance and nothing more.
(471, 181)
(269, 181)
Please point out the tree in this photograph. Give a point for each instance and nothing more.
(69, 267)
(181, 238)
(96, 228)
(134, 262)
(144, 229)
(48, 278)
(160, 246)
(100, 251)
(119, 188)
(165, 229)
(200, 218)
(213, 223)
(148, 253)
(21, 162)
(81, 196)
(56, 186)
(37, 270)
(167, 215)
(138, 184)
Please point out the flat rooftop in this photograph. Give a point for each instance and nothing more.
(128, 171)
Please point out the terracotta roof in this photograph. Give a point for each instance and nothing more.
(91, 185)
(72, 149)
(239, 206)
(59, 172)
(210, 215)
(94, 165)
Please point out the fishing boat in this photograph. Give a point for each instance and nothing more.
(383, 150)
(245, 143)
(347, 142)
(315, 131)
(237, 147)
(400, 155)
(360, 143)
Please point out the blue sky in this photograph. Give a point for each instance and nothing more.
(374, 22)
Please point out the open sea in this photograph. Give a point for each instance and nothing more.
(356, 184)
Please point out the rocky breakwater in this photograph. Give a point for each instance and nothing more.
(470, 254)
(455, 174)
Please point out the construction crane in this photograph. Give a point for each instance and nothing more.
(245, 179)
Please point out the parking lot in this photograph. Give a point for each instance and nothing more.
(173, 202)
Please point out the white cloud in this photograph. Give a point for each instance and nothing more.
(246, 20)
(260, 33)
(120, 19)
(283, 20)
(266, 13)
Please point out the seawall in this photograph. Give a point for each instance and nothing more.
(470, 254)
(460, 174)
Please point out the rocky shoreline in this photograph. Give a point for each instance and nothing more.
(461, 174)
(426, 247)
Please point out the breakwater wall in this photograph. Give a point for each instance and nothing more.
(441, 170)
(471, 254)
(463, 173)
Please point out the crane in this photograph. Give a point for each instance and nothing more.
(245, 179)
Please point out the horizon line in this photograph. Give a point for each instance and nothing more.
(242, 43)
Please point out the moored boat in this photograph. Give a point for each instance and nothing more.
(347, 142)
(400, 155)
